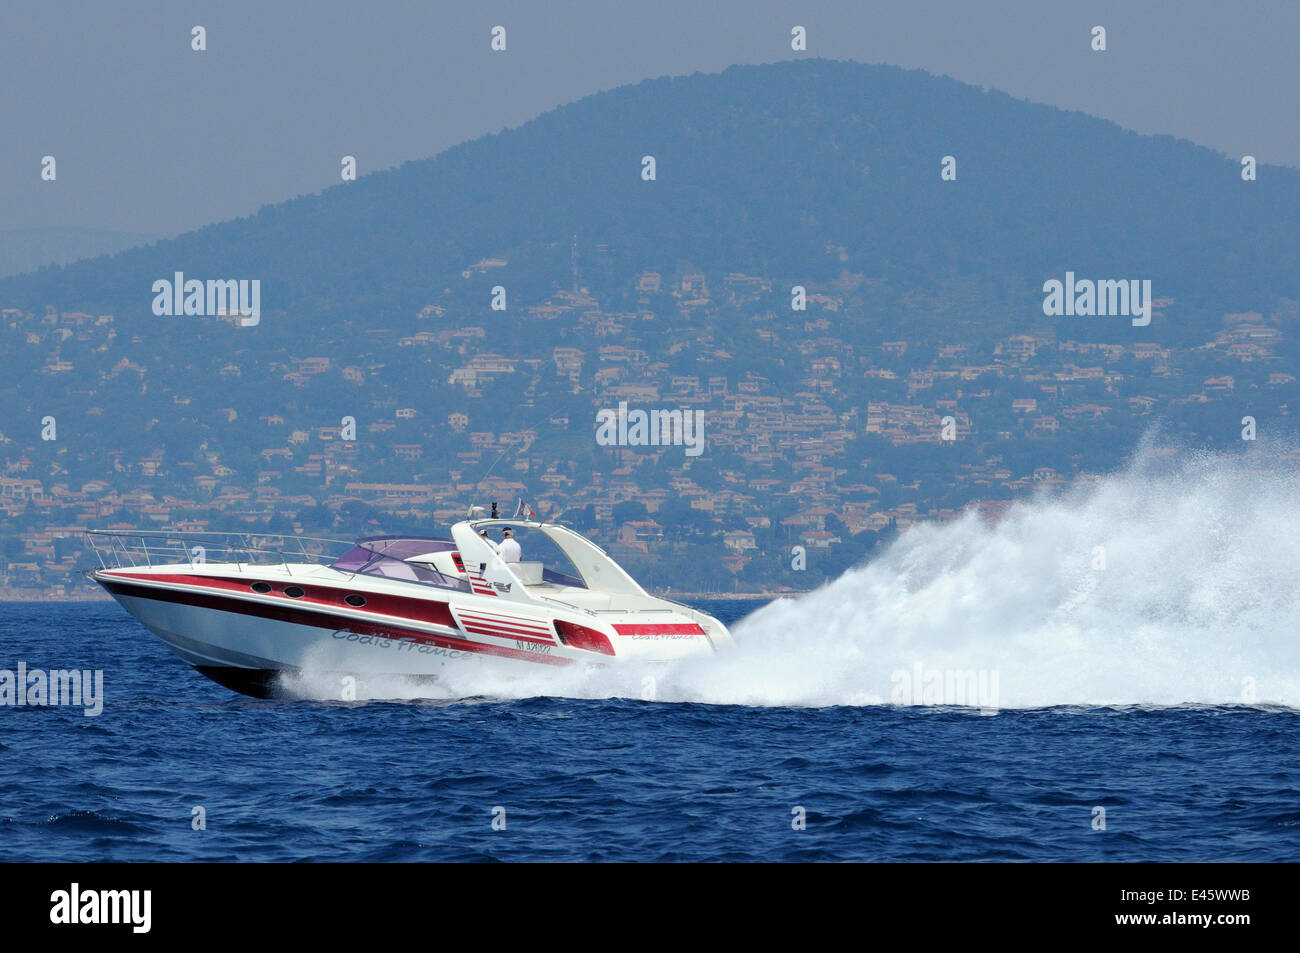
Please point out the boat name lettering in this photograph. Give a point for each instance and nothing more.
(402, 643)
(379, 640)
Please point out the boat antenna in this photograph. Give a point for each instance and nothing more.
(513, 445)
(493, 466)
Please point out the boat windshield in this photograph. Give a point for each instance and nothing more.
(387, 556)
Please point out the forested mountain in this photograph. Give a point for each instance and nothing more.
(796, 170)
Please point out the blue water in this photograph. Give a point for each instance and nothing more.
(611, 779)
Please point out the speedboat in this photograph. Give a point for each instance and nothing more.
(246, 609)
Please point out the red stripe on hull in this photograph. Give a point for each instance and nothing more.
(505, 630)
(508, 635)
(282, 612)
(651, 628)
(498, 617)
(400, 607)
(525, 627)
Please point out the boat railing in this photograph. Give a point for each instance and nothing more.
(639, 611)
(567, 605)
(120, 549)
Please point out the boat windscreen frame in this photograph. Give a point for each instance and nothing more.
(597, 569)
(419, 573)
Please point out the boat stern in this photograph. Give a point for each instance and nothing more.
(635, 637)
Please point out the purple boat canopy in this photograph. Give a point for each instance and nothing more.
(386, 556)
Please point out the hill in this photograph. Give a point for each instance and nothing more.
(796, 170)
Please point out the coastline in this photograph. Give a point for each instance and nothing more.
(40, 595)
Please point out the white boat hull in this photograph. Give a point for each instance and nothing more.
(213, 619)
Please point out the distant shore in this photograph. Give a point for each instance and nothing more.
(40, 595)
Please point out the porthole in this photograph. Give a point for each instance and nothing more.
(355, 600)
(294, 592)
(262, 587)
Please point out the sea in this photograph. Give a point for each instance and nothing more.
(1105, 674)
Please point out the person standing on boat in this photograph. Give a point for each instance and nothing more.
(509, 546)
(488, 539)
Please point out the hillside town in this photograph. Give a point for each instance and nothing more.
(822, 435)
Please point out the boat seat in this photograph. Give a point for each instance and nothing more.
(530, 574)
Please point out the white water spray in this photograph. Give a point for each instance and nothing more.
(1166, 584)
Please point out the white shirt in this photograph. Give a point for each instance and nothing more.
(509, 550)
(490, 543)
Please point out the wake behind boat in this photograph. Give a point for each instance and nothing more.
(244, 609)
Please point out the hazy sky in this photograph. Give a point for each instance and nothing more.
(150, 136)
